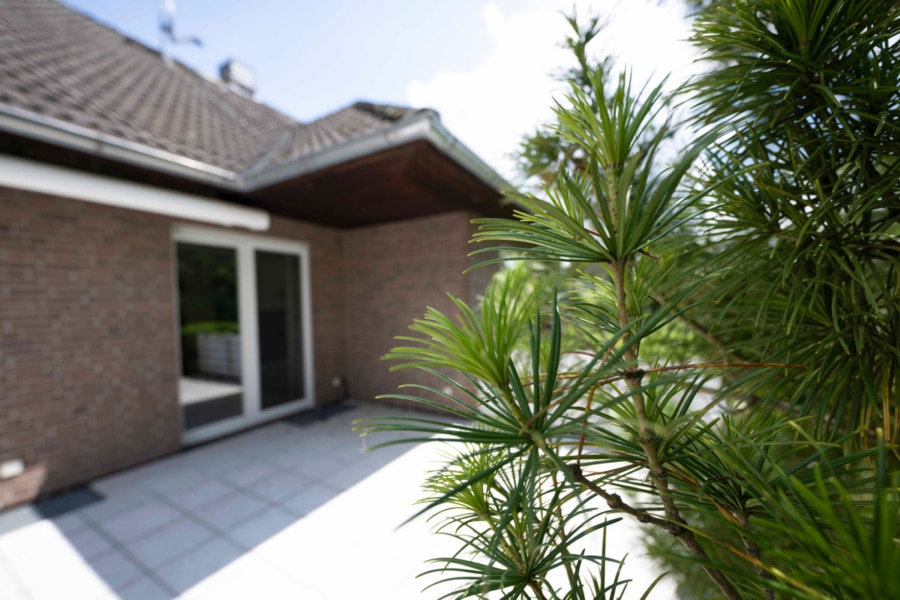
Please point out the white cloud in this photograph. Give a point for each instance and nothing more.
(509, 93)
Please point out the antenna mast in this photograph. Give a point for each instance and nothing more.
(167, 35)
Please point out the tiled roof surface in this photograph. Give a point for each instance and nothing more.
(61, 64)
(356, 120)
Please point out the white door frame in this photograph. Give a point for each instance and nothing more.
(244, 246)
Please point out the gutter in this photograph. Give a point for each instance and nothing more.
(423, 126)
(75, 137)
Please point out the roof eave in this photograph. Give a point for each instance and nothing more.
(450, 145)
(425, 125)
(83, 139)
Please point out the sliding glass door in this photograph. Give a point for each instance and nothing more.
(243, 311)
(280, 325)
(210, 388)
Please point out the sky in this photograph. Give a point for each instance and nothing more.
(485, 65)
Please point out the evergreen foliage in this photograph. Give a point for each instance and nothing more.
(769, 458)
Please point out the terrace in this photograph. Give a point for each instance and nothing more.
(294, 509)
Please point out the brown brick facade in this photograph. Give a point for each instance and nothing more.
(88, 347)
(394, 272)
(87, 351)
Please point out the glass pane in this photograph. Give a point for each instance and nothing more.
(280, 339)
(210, 386)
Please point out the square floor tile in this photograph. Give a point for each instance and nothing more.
(250, 577)
(347, 476)
(118, 482)
(70, 523)
(288, 458)
(318, 468)
(115, 569)
(218, 462)
(248, 474)
(174, 539)
(342, 449)
(203, 492)
(225, 513)
(143, 588)
(191, 568)
(311, 498)
(138, 521)
(278, 486)
(174, 480)
(115, 503)
(261, 527)
(89, 543)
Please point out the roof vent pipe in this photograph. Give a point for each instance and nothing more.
(238, 76)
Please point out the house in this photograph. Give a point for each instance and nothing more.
(179, 261)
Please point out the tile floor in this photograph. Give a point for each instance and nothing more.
(283, 511)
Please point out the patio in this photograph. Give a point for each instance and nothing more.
(294, 509)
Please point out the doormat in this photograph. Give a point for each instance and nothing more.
(54, 506)
(319, 414)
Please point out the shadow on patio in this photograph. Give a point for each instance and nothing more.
(289, 510)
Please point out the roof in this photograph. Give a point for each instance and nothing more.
(69, 82)
(61, 64)
(353, 121)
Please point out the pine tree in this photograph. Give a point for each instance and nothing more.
(770, 462)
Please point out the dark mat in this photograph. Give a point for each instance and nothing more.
(54, 506)
(318, 414)
(68, 501)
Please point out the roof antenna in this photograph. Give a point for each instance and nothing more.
(167, 32)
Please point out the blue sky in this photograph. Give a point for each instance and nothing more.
(483, 64)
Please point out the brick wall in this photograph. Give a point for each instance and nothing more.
(88, 349)
(480, 277)
(393, 272)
